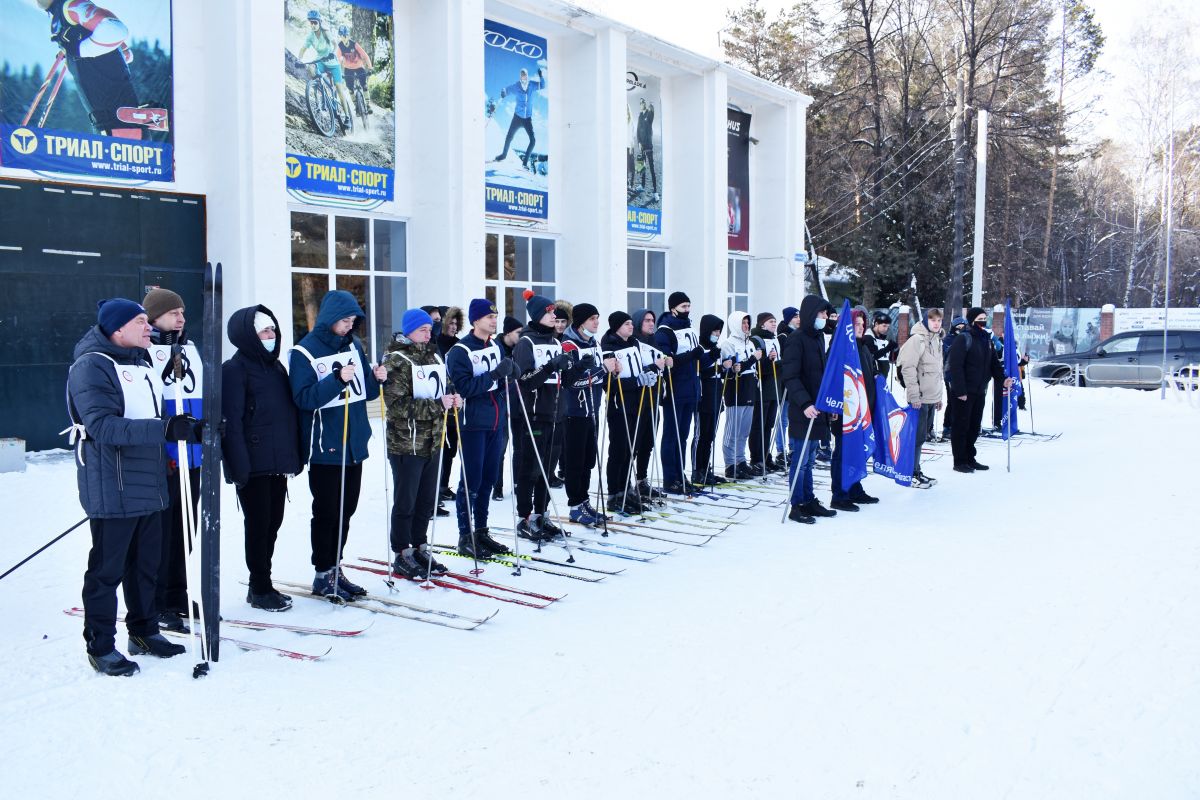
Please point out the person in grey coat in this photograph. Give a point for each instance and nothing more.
(114, 398)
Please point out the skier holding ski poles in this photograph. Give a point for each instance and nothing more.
(331, 382)
(676, 338)
(583, 386)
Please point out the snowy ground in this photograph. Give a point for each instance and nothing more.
(1023, 635)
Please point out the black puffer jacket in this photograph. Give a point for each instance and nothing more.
(262, 424)
(711, 372)
(541, 387)
(770, 369)
(972, 362)
(803, 365)
(122, 465)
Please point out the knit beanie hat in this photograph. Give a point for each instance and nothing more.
(159, 301)
(413, 319)
(479, 308)
(511, 324)
(262, 322)
(582, 312)
(536, 305)
(675, 298)
(618, 318)
(763, 317)
(789, 313)
(973, 313)
(112, 315)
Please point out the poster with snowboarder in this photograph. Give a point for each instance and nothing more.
(339, 99)
(86, 88)
(643, 154)
(738, 137)
(516, 123)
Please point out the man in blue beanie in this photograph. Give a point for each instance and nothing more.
(114, 397)
(479, 373)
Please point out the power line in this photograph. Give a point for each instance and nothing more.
(887, 208)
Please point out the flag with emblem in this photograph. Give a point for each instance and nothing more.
(844, 391)
(1012, 369)
(895, 435)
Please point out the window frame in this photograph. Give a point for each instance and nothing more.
(497, 289)
(732, 296)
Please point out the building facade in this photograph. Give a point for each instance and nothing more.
(631, 168)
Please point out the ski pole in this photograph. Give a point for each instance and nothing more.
(762, 420)
(437, 488)
(37, 552)
(513, 494)
(799, 466)
(37, 99)
(675, 425)
(545, 478)
(599, 437)
(62, 73)
(337, 564)
(632, 452)
(776, 425)
(387, 506)
(464, 481)
(190, 540)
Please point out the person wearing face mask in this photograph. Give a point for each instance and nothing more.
(620, 345)
(260, 445)
(510, 332)
(789, 321)
(712, 370)
(583, 388)
(972, 362)
(540, 360)
(331, 384)
(654, 363)
(801, 369)
(680, 397)
(957, 326)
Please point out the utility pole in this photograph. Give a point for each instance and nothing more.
(954, 293)
(980, 191)
(1167, 263)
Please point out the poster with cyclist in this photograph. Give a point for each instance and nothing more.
(516, 123)
(339, 99)
(86, 88)
(643, 154)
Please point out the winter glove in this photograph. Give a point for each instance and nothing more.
(505, 370)
(646, 379)
(560, 362)
(183, 428)
(503, 93)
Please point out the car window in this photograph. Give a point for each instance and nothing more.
(1191, 339)
(1127, 344)
(1154, 342)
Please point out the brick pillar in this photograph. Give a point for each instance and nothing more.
(998, 319)
(1107, 313)
(902, 325)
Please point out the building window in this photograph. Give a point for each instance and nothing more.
(512, 264)
(739, 285)
(646, 279)
(365, 256)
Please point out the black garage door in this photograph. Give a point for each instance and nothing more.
(62, 248)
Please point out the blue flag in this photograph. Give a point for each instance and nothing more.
(1012, 369)
(844, 391)
(895, 435)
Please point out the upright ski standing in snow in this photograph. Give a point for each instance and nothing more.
(210, 469)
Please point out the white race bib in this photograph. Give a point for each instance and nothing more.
(771, 346)
(630, 361)
(193, 370)
(429, 381)
(141, 388)
(483, 360)
(686, 340)
(649, 354)
(323, 366)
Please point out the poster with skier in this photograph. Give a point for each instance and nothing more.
(739, 180)
(516, 123)
(86, 88)
(339, 99)
(643, 154)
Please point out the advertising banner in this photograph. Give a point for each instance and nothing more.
(643, 153)
(339, 98)
(1151, 319)
(1056, 331)
(739, 180)
(86, 88)
(516, 126)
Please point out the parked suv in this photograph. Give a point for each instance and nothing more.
(1128, 359)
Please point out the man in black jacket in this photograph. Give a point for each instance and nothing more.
(260, 445)
(539, 358)
(972, 362)
(113, 396)
(762, 425)
(801, 370)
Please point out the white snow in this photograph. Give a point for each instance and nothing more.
(1022, 635)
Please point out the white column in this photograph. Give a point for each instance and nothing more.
(445, 69)
(980, 194)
